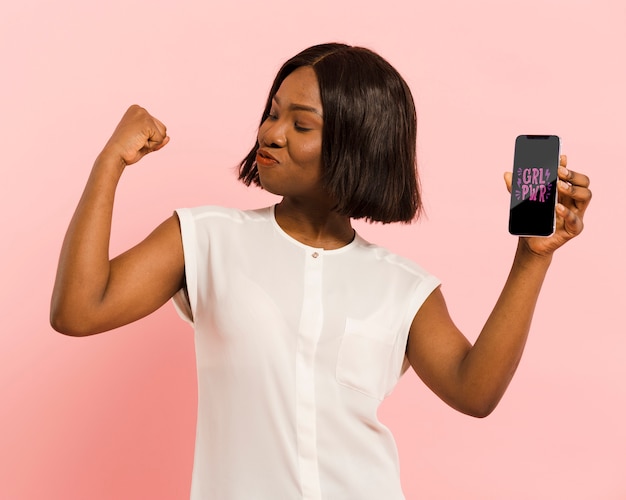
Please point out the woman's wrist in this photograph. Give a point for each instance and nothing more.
(527, 257)
(110, 161)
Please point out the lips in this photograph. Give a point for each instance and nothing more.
(265, 159)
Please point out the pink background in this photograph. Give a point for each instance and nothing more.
(112, 416)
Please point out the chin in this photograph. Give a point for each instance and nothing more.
(267, 186)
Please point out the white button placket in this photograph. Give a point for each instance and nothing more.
(308, 336)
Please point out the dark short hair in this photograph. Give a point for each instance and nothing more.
(368, 135)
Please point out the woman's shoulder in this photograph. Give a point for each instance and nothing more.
(390, 260)
(209, 212)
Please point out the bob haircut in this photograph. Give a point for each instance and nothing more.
(368, 135)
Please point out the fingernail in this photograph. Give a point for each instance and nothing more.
(563, 171)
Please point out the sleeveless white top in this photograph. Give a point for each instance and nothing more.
(296, 347)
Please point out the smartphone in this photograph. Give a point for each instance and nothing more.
(534, 188)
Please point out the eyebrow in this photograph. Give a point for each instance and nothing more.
(300, 107)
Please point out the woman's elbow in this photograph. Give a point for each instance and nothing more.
(69, 324)
(479, 409)
(482, 412)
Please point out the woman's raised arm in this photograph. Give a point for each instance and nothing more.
(472, 379)
(92, 293)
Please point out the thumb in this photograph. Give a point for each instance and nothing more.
(508, 180)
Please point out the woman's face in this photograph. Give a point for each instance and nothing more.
(289, 158)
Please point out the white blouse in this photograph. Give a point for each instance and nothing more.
(296, 347)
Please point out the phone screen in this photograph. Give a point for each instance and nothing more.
(534, 190)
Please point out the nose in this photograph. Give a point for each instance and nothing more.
(272, 134)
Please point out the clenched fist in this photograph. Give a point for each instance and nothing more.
(137, 134)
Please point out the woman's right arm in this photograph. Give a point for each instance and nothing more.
(92, 293)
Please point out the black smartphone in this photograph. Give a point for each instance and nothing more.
(534, 188)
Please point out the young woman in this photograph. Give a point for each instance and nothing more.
(301, 326)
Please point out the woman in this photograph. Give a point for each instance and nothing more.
(301, 326)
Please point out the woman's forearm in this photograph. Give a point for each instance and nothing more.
(490, 364)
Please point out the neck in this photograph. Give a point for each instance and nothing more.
(315, 226)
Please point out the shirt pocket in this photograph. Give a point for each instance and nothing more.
(365, 358)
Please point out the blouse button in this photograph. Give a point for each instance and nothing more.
(315, 255)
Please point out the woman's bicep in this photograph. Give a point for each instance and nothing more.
(143, 278)
(436, 348)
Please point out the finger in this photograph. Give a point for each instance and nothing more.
(573, 178)
(574, 197)
(154, 142)
(165, 140)
(572, 224)
(577, 193)
(154, 138)
(563, 160)
(508, 180)
(160, 126)
(156, 134)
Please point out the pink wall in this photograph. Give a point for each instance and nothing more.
(112, 416)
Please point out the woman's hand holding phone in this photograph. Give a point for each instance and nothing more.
(574, 196)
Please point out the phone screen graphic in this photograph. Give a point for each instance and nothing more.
(534, 190)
